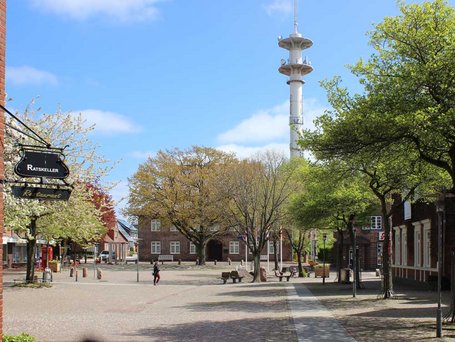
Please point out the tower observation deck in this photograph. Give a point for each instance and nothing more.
(295, 68)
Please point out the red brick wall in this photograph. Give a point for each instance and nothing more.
(2, 128)
(165, 236)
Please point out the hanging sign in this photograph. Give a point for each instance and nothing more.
(28, 192)
(41, 164)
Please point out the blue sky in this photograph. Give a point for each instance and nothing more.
(159, 74)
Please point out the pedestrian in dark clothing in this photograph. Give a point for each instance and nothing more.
(156, 273)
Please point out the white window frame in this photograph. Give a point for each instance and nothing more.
(192, 248)
(397, 246)
(234, 247)
(173, 228)
(214, 228)
(427, 244)
(174, 247)
(155, 247)
(376, 222)
(404, 246)
(271, 249)
(407, 210)
(155, 225)
(417, 244)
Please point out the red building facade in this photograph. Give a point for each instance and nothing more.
(156, 239)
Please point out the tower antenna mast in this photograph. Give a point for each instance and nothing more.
(296, 15)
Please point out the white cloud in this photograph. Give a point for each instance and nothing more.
(265, 125)
(121, 10)
(108, 122)
(270, 125)
(142, 154)
(26, 75)
(244, 152)
(278, 6)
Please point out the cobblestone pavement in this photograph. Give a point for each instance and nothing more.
(188, 305)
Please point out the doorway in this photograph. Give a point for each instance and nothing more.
(214, 250)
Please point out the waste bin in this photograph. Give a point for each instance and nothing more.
(345, 275)
(47, 275)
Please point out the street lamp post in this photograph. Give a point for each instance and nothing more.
(324, 238)
(440, 212)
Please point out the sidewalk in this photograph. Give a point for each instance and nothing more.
(409, 316)
(191, 304)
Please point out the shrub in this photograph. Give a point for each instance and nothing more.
(24, 337)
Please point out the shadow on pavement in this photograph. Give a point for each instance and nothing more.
(259, 329)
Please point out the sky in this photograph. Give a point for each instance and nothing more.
(160, 74)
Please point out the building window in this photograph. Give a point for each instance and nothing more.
(376, 222)
(173, 228)
(397, 246)
(192, 248)
(156, 247)
(427, 245)
(215, 228)
(417, 245)
(404, 246)
(175, 247)
(234, 247)
(271, 249)
(155, 225)
(407, 210)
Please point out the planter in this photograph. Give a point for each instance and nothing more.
(319, 272)
(54, 266)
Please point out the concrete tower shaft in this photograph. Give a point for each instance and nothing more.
(295, 68)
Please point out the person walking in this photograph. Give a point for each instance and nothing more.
(156, 273)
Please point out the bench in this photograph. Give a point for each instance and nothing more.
(236, 276)
(163, 258)
(281, 275)
(225, 276)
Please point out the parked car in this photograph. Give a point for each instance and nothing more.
(104, 255)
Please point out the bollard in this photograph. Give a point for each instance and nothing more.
(197, 261)
(99, 274)
(241, 262)
(84, 272)
(76, 276)
(71, 271)
(180, 261)
(214, 262)
(229, 261)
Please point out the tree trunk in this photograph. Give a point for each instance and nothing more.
(201, 253)
(387, 285)
(275, 253)
(257, 267)
(299, 262)
(340, 253)
(31, 247)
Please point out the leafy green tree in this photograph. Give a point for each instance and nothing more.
(405, 115)
(330, 197)
(409, 89)
(184, 189)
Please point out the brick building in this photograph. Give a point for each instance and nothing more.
(415, 241)
(156, 239)
(369, 243)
